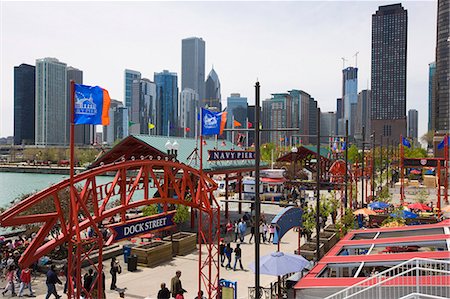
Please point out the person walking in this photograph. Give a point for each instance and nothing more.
(52, 280)
(180, 295)
(271, 232)
(175, 285)
(242, 229)
(237, 256)
(236, 230)
(261, 232)
(115, 268)
(252, 233)
(94, 292)
(25, 281)
(164, 293)
(229, 228)
(228, 252)
(222, 251)
(265, 228)
(88, 278)
(10, 275)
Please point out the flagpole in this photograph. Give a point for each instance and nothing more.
(246, 135)
(232, 134)
(71, 180)
(401, 171)
(196, 127)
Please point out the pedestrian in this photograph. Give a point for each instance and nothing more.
(229, 228)
(164, 293)
(222, 251)
(180, 295)
(228, 252)
(10, 275)
(115, 269)
(271, 232)
(236, 230)
(52, 280)
(94, 292)
(200, 296)
(261, 232)
(175, 285)
(252, 233)
(242, 229)
(88, 278)
(265, 227)
(237, 257)
(25, 281)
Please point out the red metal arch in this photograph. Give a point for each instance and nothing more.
(176, 183)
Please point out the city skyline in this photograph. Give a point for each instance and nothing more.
(316, 70)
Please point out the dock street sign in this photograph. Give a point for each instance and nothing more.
(216, 155)
(143, 225)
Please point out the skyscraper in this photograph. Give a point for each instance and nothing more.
(350, 96)
(187, 111)
(300, 115)
(51, 102)
(363, 115)
(167, 102)
(389, 36)
(413, 121)
(83, 134)
(193, 65)
(143, 106)
(312, 121)
(237, 110)
(212, 98)
(116, 129)
(340, 123)
(431, 84)
(277, 114)
(129, 77)
(24, 104)
(327, 125)
(441, 105)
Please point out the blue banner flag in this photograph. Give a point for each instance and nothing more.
(406, 142)
(443, 143)
(210, 122)
(344, 146)
(91, 105)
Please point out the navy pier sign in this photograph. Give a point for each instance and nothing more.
(142, 226)
(216, 155)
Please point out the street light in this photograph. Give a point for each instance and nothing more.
(294, 151)
(172, 148)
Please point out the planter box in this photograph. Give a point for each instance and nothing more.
(153, 253)
(308, 250)
(331, 228)
(329, 239)
(183, 243)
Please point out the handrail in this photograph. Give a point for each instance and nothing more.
(382, 277)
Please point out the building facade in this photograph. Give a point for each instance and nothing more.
(237, 110)
(111, 132)
(24, 104)
(340, 129)
(193, 65)
(363, 116)
(129, 77)
(313, 115)
(441, 105)
(212, 99)
(327, 125)
(300, 115)
(431, 84)
(413, 123)
(143, 106)
(388, 84)
(51, 103)
(187, 111)
(167, 102)
(350, 96)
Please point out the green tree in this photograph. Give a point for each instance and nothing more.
(266, 152)
(150, 210)
(415, 152)
(346, 223)
(428, 138)
(353, 154)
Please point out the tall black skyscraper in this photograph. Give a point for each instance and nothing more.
(389, 39)
(24, 104)
(193, 65)
(441, 95)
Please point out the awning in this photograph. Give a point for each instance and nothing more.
(273, 180)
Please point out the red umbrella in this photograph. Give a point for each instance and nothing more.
(415, 171)
(419, 206)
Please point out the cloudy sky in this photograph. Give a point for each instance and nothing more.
(284, 45)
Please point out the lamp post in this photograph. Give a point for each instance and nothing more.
(373, 166)
(362, 165)
(172, 148)
(294, 151)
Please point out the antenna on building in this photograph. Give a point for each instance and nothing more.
(343, 62)
(356, 58)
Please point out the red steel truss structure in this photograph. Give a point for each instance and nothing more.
(93, 202)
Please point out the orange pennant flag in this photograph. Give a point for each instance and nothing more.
(237, 124)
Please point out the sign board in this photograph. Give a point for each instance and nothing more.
(143, 225)
(415, 162)
(216, 155)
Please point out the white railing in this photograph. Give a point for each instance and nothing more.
(427, 277)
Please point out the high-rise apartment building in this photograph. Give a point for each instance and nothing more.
(350, 96)
(51, 103)
(276, 116)
(167, 102)
(441, 105)
(237, 110)
(363, 116)
(83, 134)
(111, 132)
(340, 123)
(212, 98)
(187, 111)
(129, 77)
(327, 125)
(193, 65)
(143, 106)
(300, 115)
(389, 40)
(24, 104)
(413, 122)
(313, 108)
(431, 84)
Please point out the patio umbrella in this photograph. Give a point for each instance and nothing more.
(419, 206)
(378, 205)
(415, 171)
(280, 263)
(404, 214)
(364, 211)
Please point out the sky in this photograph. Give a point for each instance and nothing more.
(284, 45)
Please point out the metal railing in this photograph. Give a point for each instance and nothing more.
(426, 278)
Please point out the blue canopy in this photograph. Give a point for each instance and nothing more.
(404, 214)
(280, 263)
(378, 205)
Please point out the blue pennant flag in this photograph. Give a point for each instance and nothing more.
(443, 143)
(210, 122)
(344, 146)
(91, 105)
(406, 142)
